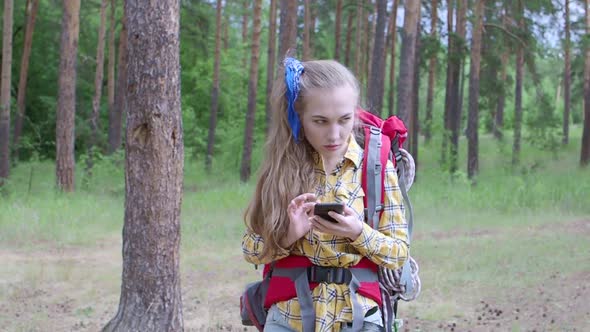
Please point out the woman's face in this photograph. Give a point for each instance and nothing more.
(328, 118)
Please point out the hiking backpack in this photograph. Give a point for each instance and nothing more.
(382, 141)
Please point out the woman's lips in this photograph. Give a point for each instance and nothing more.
(333, 147)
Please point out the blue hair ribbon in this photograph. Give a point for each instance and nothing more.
(293, 71)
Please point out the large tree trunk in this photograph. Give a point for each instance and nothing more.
(498, 120)
(585, 151)
(566, 77)
(5, 92)
(473, 117)
(214, 90)
(337, 28)
(94, 117)
(111, 70)
(287, 29)
(377, 79)
(150, 289)
(348, 38)
(457, 86)
(306, 30)
(116, 121)
(66, 99)
(31, 14)
(393, 38)
(270, 67)
(405, 82)
(252, 89)
(431, 77)
(518, 92)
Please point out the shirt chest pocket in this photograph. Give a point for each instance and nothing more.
(352, 194)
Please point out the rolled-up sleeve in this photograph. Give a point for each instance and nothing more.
(252, 247)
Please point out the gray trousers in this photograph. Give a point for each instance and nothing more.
(275, 322)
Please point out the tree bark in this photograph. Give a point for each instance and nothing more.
(431, 76)
(150, 290)
(116, 122)
(66, 100)
(455, 115)
(499, 116)
(214, 90)
(287, 29)
(5, 92)
(252, 89)
(566, 76)
(446, 136)
(337, 28)
(473, 116)
(377, 79)
(585, 150)
(98, 77)
(270, 67)
(306, 30)
(405, 82)
(393, 20)
(518, 92)
(414, 125)
(111, 70)
(31, 14)
(359, 29)
(348, 38)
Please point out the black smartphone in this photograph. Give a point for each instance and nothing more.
(322, 209)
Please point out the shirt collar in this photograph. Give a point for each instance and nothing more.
(354, 153)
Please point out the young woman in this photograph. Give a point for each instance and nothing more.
(312, 156)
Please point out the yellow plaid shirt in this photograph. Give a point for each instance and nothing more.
(387, 246)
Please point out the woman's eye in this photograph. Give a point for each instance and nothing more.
(345, 120)
(319, 121)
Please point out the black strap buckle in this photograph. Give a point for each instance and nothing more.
(330, 275)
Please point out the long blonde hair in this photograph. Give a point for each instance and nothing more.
(288, 168)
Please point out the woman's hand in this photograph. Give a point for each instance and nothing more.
(348, 224)
(299, 211)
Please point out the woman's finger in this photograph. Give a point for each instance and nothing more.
(348, 211)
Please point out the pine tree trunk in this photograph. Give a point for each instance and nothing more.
(393, 20)
(349, 25)
(314, 16)
(31, 15)
(252, 89)
(359, 30)
(150, 289)
(518, 92)
(585, 151)
(270, 67)
(473, 117)
(287, 29)
(446, 136)
(66, 100)
(98, 77)
(372, 24)
(499, 115)
(214, 90)
(566, 77)
(431, 76)
(405, 82)
(116, 122)
(306, 30)
(414, 125)
(111, 72)
(457, 87)
(5, 92)
(377, 80)
(337, 28)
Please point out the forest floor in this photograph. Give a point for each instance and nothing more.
(44, 287)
